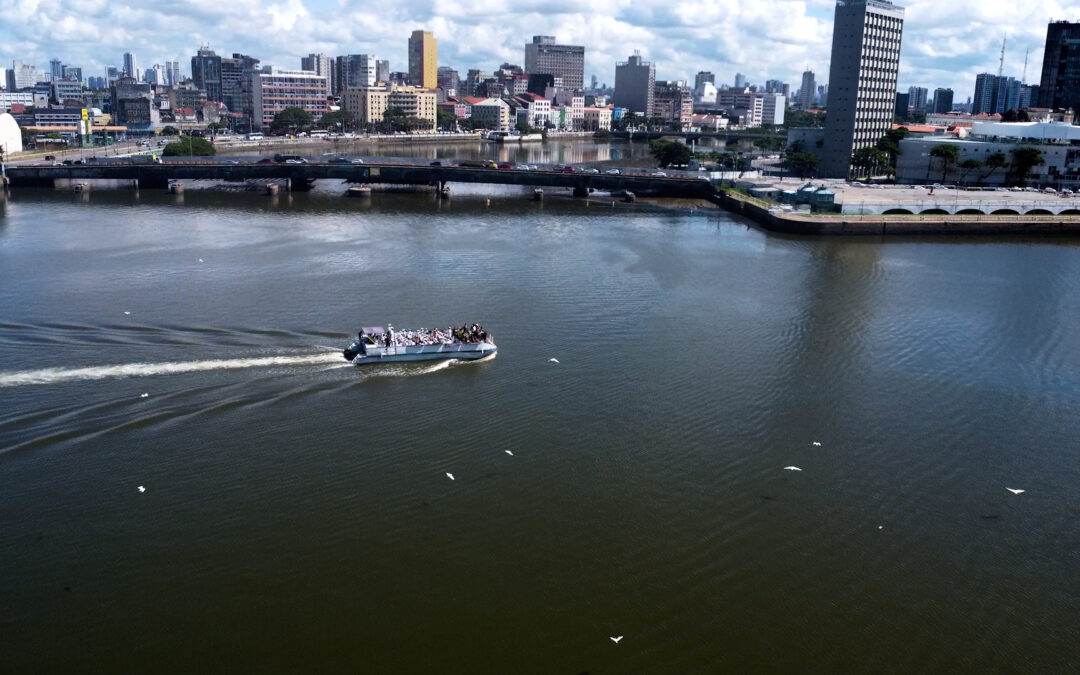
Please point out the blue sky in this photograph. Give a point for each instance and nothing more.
(945, 43)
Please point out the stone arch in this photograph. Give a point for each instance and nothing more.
(897, 212)
(1070, 212)
(969, 212)
(1039, 212)
(1004, 212)
(934, 212)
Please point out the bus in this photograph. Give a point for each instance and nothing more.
(320, 133)
(256, 136)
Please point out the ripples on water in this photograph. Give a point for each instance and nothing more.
(299, 506)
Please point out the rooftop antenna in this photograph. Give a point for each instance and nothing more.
(1001, 63)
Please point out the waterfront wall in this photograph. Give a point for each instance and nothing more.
(833, 224)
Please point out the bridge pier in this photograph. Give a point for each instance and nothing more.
(152, 183)
(299, 184)
(581, 192)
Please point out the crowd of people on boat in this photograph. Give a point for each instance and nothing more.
(469, 333)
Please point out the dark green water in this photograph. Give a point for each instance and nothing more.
(297, 516)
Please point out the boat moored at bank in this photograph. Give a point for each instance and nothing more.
(376, 344)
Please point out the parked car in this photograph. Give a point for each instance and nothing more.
(1050, 190)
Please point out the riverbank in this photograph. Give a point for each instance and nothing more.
(769, 218)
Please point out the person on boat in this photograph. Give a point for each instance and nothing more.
(389, 336)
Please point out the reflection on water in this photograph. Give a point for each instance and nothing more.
(297, 513)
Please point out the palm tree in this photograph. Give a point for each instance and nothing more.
(993, 163)
(969, 165)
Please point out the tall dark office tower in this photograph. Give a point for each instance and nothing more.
(1060, 83)
(635, 80)
(943, 100)
(862, 79)
(206, 72)
(544, 57)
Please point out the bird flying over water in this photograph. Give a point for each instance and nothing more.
(142, 489)
(553, 360)
(792, 468)
(817, 443)
(1014, 491)
(616, 639)
(450, 475)
(509, 453)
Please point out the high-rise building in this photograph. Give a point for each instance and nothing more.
(382, 70)
(740, 80)
(423, 59)
(206, 73)
(1059, 86)
(237, 83)
(1029, 96)
(635, 80)
(943, 100)
(773, 86)
(917, 100)
(173, 72)
(995, 94)
(544, 57)
(806, 91)
(56, 69)
(449, 80)
(130, 69)
(24, 75)
(702, 77)
(112, 73)
(673, 102)
(862, 79)
(274, 90)
(72, 73)
(320, 64)
(354, 70)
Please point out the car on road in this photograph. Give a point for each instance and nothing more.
(357, 161)
(295, 161)
(49, 158)
(265, 160)
(506, 165)
(658, 174)
(612, 172)
(289, 159)
(338, 160)
(435, 163)
(230, 161)
(590, 170)
(566, 169)
(1050, 190)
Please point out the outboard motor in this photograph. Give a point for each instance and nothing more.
(352, 351)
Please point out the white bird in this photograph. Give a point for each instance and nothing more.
(450, 475)
(509, 453)
(616, 639)
(817, 443)
(881, 527)
(142, 489)
(145, 395)
(1014, 491)
(200, 259)
(792, 468)
(127, 312)
(553, 360)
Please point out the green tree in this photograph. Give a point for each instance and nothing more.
(994, 162)
(1024, 160)
(890, 143)
(337, 119)
(446, 121)
(969, 165)
(189, 146)
(946, 154)
(525, 128)
(170, 131)
(869, 160)
(291, 120)
(668, 153)
(801, 118)
(802, 164)
(602, 134)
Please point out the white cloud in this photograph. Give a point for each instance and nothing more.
(945, 43)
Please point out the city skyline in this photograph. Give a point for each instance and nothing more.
(943, 47)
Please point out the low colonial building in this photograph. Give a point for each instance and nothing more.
(597, 119)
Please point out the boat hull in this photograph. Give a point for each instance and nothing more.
(460, 351)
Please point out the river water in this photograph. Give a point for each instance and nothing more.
(191, 479)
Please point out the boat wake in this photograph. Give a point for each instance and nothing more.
(63, 375)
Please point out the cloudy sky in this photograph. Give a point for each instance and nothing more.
(945, 43)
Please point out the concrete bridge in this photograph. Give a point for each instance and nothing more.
(300, 176)
(987, 207)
